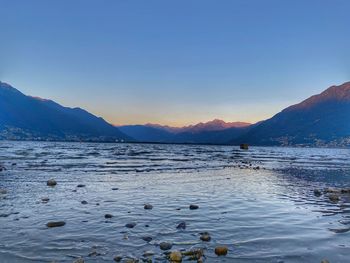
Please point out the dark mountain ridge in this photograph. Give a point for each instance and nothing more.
(321, 120)
(25, 117)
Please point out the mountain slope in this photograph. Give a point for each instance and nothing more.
(323, 119)
(25, 117)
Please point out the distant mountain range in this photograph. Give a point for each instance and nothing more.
(214, 125)
(212, 132)
(29, 118)
(321, 120)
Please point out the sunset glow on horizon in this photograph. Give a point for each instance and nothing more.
(175, 63)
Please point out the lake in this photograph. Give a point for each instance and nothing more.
(260, 203)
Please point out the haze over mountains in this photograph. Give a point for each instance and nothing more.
(321, 120)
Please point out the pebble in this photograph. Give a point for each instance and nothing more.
(108, 216)
(148, 253)
(165, 245)
(192, 252)
(345, 191)
(195, 254)
(130, 225)
(194, 207)
(148, 206)
(205, 237)
(181, 225)
(118, 258)
(175, 256)
(51, 182)
(45, 199)
(147, 238)
(221, 251)
(55, 224)
(334, 198)
(317, 192)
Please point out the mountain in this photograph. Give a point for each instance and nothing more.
(212, 132)
(321, 120)
(214, 125)
(223, 136)
(25, 117)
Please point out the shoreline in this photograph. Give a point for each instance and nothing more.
(200, 144)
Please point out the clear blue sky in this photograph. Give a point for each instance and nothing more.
(175, 62)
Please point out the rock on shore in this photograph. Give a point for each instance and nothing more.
(55, 224)
(221, 251)
(51, 182)
(165, 245)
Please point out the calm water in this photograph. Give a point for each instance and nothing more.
(268, 214)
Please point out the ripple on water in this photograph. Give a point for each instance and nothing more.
(265, 215)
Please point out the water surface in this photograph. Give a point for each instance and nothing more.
(259, 203)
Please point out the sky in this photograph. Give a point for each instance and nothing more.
(175, 62)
